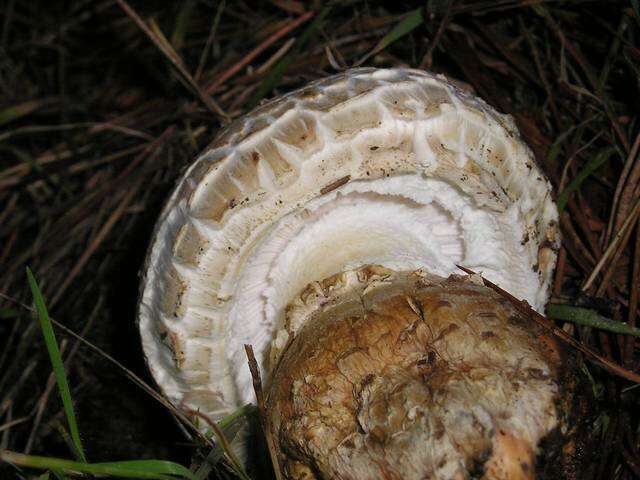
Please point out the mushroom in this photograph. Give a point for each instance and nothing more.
(389, 167)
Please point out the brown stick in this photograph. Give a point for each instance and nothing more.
(333, 185)
(172, 56)
(616, 216)
(619, 250)
(257, 387)
(257, 51)
(619, 241)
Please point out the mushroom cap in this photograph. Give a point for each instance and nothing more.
(396, 167)
(408, 375)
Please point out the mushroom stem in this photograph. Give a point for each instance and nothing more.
(407, 375)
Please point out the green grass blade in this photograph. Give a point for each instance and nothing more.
(159, 467)
(411, 21)
(591, 166)
(152, 469)
(589, 318)
(56, 362)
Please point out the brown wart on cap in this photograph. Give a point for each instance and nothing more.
(392, 167)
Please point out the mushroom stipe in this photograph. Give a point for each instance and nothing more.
(409, 375)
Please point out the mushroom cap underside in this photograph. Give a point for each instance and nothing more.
(390, 166)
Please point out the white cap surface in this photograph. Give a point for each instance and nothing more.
(391, 167)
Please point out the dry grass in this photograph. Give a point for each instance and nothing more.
(103, 103)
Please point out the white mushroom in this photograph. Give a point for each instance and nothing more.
(391, 167)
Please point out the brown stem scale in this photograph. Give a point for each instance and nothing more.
(407, 375)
